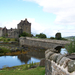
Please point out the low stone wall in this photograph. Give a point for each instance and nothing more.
(57, 64)
(45, 43)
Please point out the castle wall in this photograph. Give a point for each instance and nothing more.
(27, 28)
(57, 64)
(13, 33)
(0, 32)
(4, 31)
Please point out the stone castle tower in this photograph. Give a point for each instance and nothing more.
(24, 26)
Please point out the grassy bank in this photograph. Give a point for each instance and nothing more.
(23, 70)
(7, 39)
(35, 71)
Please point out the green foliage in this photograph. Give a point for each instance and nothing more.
(71, 47)
(4, 50)
(35, 71)
(63, 39)
(6, 34)
(24, 34)
(16, 39)
(52, 38)
(41, 35)
(8, 39)
(58, 39)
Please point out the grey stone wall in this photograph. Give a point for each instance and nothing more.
(57, 64)
(41, 42)
(0, 32)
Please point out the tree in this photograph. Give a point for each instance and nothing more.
(71, 47)
(41, 35)
(52, 38)
(24, 34)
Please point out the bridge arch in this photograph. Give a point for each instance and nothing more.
(58, 48)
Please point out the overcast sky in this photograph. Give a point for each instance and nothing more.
(46, 16)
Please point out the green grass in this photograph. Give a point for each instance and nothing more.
(7, 39)
(33, 71)
(23, 70)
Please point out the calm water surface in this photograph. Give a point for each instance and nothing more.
(10, 61)
(21, 59)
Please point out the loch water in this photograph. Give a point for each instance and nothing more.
(9, 61)
(33, 56)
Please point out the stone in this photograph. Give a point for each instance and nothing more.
(59, 58)
(54, 57)
(47, 51)
(71, 66)
(64, 59)
(47, 56)
(42, 62)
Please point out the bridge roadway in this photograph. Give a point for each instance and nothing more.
(44, 43)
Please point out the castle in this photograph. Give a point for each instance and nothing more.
(23, 26)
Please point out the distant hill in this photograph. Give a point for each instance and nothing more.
(70, 37)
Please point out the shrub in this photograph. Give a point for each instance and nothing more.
(63, 39)
(16, 39)
(71, 47)
(24, 34)
(4, 40)
(52, 38)
(41, 35)
(8, 39)
(4, 50)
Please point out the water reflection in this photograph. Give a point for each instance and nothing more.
(21, 59)
(37, 54)
(24, 58)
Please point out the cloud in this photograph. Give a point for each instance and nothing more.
(64, 10)
(10, 24)
(37, 28)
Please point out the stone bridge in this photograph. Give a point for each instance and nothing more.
(43, 43)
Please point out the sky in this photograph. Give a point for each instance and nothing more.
(45, 16)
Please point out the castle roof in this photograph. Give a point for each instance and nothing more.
(24, 21)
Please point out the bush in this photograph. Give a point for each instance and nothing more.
(8, 39)
(52, 38)
(63, 39)
(24, 34)
(4, 50)
(41, 35)
(71, 47)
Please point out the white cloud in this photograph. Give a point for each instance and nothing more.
(10, 24)
(64, 10)
(37, 28)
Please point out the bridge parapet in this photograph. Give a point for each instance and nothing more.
(48, 40)
(57, 64)
(45, 43)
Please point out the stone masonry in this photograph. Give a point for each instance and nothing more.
(57, 64)
(44, 43)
